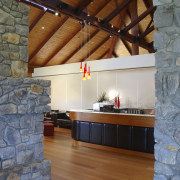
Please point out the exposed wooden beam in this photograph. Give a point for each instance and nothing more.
(124, 4)
(97, 47)
(135, 28)
(127, 46)
(137, 20)
(93, 21)
(37, 20)
(101, 57)
(145, 33)
(148, 26)
(81, 45)
(119, 25)
(53, 32)
(114, 54)
(148, 6)
(82, 4)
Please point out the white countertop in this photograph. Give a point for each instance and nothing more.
(91, 111)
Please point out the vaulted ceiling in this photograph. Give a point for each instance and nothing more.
(85, 30)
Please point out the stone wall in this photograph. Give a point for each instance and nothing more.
(14, 30)
(22, 103)
(167, 125)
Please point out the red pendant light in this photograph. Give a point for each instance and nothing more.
(81, 70)
(89, 74)
(84, 76)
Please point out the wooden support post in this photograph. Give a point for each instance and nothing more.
(135, 29)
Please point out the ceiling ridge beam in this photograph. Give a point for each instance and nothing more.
(142, 16)
(37, 20)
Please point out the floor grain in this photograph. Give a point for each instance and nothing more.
(81, 163)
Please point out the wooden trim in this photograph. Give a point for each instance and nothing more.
(112, 149)
(121, 119)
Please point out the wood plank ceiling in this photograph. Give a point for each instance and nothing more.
(116, 28)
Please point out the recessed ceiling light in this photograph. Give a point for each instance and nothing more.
(56, 13)
(43, 27)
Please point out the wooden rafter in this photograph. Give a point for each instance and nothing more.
(148, 26)
(114, 54)
(47, 38)
(101, 57)
(37, 20)
(93, 21)
(56, 29)
(135, 28)
(119, 25)
(72, 35)
(145, 33)
(97, 47)
(127, 46)
(148, 6)
(137, 20)
(82, 4)
(124, 4)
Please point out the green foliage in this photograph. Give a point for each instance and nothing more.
(102, 97)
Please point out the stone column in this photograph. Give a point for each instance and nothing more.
(22, 101)
(167, 79)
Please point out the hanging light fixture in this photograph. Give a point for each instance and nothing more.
(81, 70)
(89, 74)
(84, 76)
(86, 69)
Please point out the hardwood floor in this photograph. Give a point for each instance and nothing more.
(81, 163)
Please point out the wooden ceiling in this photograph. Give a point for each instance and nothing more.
(113, 28)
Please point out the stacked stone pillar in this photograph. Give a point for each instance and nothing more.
(167, 125)
(22, 101)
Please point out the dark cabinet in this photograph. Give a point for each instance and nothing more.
(96, 133)
(75, 130)
(84, 131)
(110, 135)
(124, 137)
(150, 140)
(139, 139)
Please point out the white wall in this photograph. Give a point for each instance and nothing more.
(134, 82)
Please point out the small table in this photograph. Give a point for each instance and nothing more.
(48, 128)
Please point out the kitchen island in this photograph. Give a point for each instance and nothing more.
(119, 132)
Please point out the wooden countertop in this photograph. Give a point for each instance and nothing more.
(140, 120)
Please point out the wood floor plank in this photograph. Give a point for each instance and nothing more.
(81, 163)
